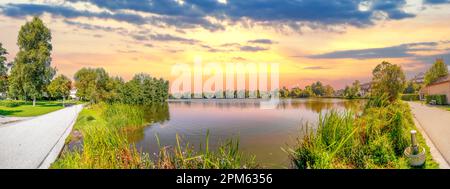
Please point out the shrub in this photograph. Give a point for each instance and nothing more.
(375, 139)
(11, 103)
(439, 99)
(410, 97)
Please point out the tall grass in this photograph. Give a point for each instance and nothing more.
(375, 139)
(227, 156)
(105, 129)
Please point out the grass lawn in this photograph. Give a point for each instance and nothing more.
(27, 109)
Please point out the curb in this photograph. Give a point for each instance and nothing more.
(56, 149)
(437, 156)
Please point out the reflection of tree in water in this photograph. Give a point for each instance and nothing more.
(318, 105)
(156, 113)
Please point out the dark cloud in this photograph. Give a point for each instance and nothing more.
(399, 51)
(168, 37)
(253, 48)
(262, 41)
(194, 13)
(94, 27)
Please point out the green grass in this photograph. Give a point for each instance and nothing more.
(106, 130)
(375, 139)
(26, 109)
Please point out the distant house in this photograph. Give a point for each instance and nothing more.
(419, 78)
(439, 87)
(73, 94)
(365, 88)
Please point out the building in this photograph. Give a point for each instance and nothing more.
(439, 87)
(73, 94)
(365, 88)
(419, 78)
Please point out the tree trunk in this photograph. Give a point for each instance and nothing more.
(34, 101)
(63, 101)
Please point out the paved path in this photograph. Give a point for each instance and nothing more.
(36, 143)
(436, 124)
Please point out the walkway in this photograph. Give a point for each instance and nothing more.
(36, 142)
(436, 124)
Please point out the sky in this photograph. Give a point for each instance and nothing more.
(335, 42)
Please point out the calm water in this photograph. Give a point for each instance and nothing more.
(261, 132)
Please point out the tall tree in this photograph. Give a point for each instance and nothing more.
(388, 80)
(60, 87)
(93, 84)
(439, 69)
(31, 71)
(3, 70)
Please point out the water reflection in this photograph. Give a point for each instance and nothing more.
(262, 132)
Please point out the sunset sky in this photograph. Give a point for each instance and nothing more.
(335, 42)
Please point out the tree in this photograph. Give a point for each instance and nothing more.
(31, 71)
(388, 80)
(411, 88)
(144, 90)
(329, 91)
(3, 70)
(439, 69)
(93, 84)
(318, 89)
(284, 92)
(60, 87)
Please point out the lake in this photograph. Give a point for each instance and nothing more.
(262, 132)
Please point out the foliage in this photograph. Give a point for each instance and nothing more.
(412, 88)
(376, 139)
(144, 90)
(93, 84)
(353, 91)
(439, 69)
(410, 97)
(438, 99)
(31, 71)
(11, 103)
(60, 87)
(313, 90)
(3, 70)
(388, 79)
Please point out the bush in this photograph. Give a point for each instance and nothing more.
(439, 99)
(410, 97)
(374, 139)
(11, 103)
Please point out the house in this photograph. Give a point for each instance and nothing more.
(419, 78)
(439, 87)
(365, 88)
(73, 94)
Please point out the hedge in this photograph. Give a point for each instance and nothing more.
(410, 97)
(11, 103)
(439, 99)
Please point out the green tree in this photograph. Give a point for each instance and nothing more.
(388, 80)
(93, 84)
(439, 69)
(60, 87)
(31, 71)
(411, 88)
(284, 92)
(329, 91)
(144, 90)
(3, 70)
(318, 89)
